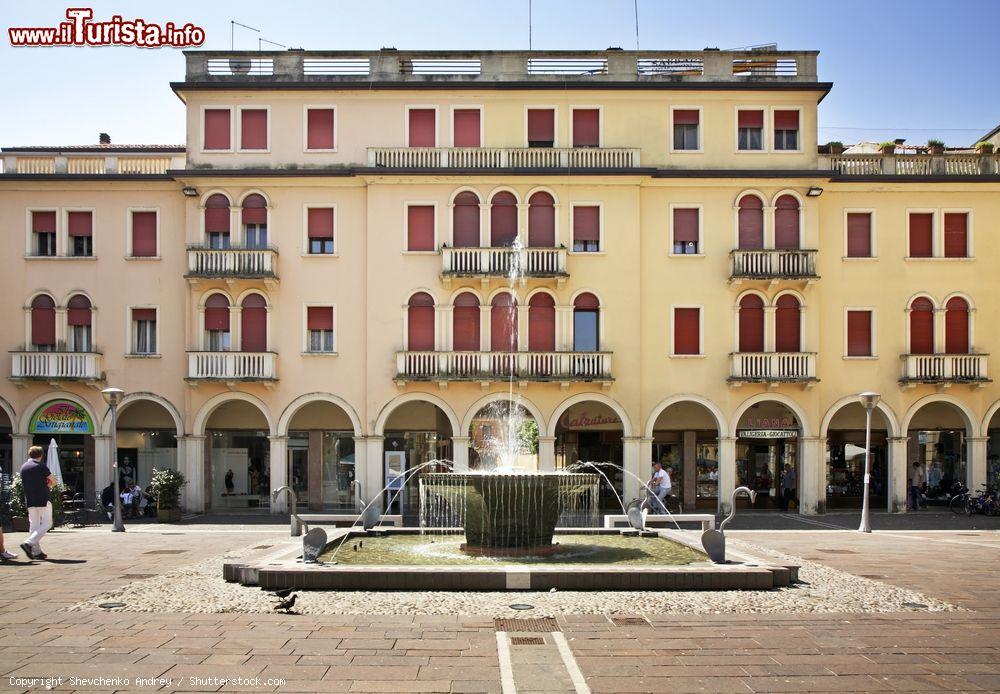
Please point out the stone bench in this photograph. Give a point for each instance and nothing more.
(707, 520)
(343, 520)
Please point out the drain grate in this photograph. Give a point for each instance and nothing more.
(532, 624)
(136, 577)
(836, 551)
(527, 641)
(629, 621)
(166, 551)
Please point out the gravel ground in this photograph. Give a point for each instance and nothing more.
(200, 588)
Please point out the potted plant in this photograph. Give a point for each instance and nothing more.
(835, 147)
(935, 147)
(887, 147)
(984, 147)
(16, 509)
(166, 484)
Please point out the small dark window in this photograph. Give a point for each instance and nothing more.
(786, 130)
(750, 130)
(686, 129)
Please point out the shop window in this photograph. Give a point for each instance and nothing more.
(541, 127)
(786, 223)
(217, 324)
(586, 127)
(320, 129)
(465, 220)
(503, 323)
(466, 127)
(218, 122)
(253, 129)
(43, 231)
(751, 223)
(465, 322)
(43, 323)
(786, 130)
(144, 331)
(687, 331)
(921, 234)
(81, 233)
(956, 235)
(586, 323)
(319, 324)
(956, 326)
(541, 221)
(686, 222)
(144, 234)
(419, 228)
(686, 126)
(859, 234)
(217, 221)
(859, 334)
(255, 221)
(420, 323)
(320, 230)
(751, 322)
(422, 127)
(542, 323)
(921, 326)
(750, 130)
(253, 324)
(503, 220)
(78, 319)
(586, 229)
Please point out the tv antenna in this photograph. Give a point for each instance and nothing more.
(232, 32)
(261, 41)
(529, 25)
(635, 8)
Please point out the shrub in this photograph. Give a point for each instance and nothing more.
(935, 143)
(167, 484)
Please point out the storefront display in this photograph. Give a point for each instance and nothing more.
(942, 453)
(241, 470)
(845, 469)
(767, 449)
(338, 471)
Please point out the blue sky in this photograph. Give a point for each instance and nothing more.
(901, 68)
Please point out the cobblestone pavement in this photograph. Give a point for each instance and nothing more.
(912, 651)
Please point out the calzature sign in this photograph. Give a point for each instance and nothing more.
(81, 30)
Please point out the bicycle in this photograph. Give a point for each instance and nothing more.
(985, 502)
(959, 499)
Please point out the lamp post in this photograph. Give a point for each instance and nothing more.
(113, 396)
(868, 400)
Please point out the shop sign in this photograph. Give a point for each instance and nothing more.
(61, 417)
(576, 420)
(768, 433)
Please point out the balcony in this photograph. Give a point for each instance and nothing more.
(232, 366)
(773, 264)
(87, 367)
(540, 263)
(502, 366)
(231, 263)
(944, 370)
(875, 165)
(497, 158)
(772, 368)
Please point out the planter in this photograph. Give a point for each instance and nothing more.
(168, 515)
(887, 149)
(936, 150)
(19, 524)
(836, 149)
(985, 149)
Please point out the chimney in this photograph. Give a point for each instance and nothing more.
(104, 139)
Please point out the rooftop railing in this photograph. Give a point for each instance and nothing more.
(90, 164)
(947, 164)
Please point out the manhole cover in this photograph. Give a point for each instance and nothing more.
(137, 576)
(629, 621)
(521, 606)
(111, 605)
(527, 641)
(916, 605)
(515, 624)
(166, 551)
(836, 551)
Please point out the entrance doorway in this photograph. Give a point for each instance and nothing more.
(767, 457)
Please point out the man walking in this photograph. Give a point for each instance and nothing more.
(788, 489)
(36, 479)
(917, 480)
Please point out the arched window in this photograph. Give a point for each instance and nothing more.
(217, 221)
(420, 323)
(255, 221)
(921, 326)
(465, 220)
(253, 324)
(586, 323)
(956, 326)
(503, 220)
(79, 318)
(43, 323)
(751, 222)
(751, 324)
(786, 222)
(217, 323)
(541, 221)
(503, 323)
(465, 322)
(542, 323)
(787, 326)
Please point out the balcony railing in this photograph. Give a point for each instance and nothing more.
(774, 263)
(948, 164)
(521, 366)
(92, 164)
(248, 263)
(772, 367)
(944, 368)
(497, 262)
(58, 366)
(233, 366)
(489, 158)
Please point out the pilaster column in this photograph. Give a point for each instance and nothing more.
(368, 468)
(522, 223)
(236, 328)
(484, 225)
(279, 472)
(522, 327)
(635, 450)
(898, 472)
(20, 443)
(939, 316)
(61, 337)
(193, 494)
(102, 461)
(460, 453)
(727, 472)
(976, 461)
(769, 325)
(689, 465)
(443, 323)
(812, 496)
(484, 328)
(546, 453)
(768, 224)
(564, 332)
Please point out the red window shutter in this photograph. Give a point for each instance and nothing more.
(921, 234)
(43, 222)
(78, 310)
(253, 128)
(586, 127)
(859, 333)
(786, 120)
(43, 322)
(217, 313)
(586, 302)
(503, 324)
(586, 223)
(81, 224)
(253, 324)
(465, 221)
(143, 234)
(542, 324)
(751, 223)
(420, 323)
(465, 318)
(466, 127)
(320, 221)
(423, 127)
(217, 214)
(254, 209)
(750, 119)
(687, 338)
(503, 220)
(751, 324)
(787, 337)
(685, 117)
(319, 317)
(921, 326)
(685, 226)
(956, 326)
(786, 222)
(541, 221)
(420, 228)
(859, 235)
(541, 125)
(956, 227)
(217, 123)
(319, 128)
(143, 314)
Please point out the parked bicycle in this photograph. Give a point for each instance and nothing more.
(959, 498)
(985, 501)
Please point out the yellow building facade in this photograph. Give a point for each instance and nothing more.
(316, 289)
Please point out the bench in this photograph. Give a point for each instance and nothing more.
(707, 520)
(341, 520)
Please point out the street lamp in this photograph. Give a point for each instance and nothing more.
(113, 396)
(868, 400)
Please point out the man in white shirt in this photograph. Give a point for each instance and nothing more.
(657, 488)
